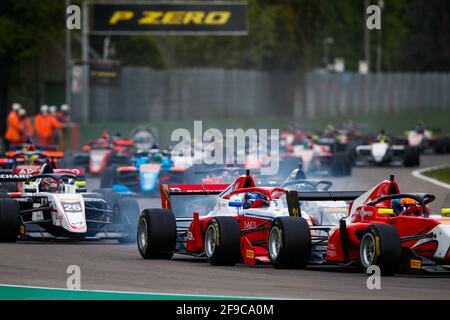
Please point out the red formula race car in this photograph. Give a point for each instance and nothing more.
(25, 160)
(224, 223)
(392, 230)
(100, 153)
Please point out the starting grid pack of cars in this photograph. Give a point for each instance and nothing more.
(231, 214)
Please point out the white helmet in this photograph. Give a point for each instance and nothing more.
(65, 108)
(16, 106)
(53, 109)
(22, 112)
(44, 109)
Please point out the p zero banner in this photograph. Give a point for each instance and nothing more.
(175, 17)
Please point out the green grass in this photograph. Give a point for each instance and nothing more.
(439, 174)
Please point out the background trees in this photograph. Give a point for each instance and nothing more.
(283, 35)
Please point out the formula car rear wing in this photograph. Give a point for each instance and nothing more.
(22, 175)
(178, 197)
(293, 198)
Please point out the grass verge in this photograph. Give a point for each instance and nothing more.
(442, 174)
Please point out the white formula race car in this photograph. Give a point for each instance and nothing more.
(54, 205)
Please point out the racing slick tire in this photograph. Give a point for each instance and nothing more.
(441, 146)
(9, 220)
(3, 193)
(341, 164)
(128, 211)
(289, 242)
(108, 176)
(447, 145)
(380, 246)
(411, 157)
(156, 234)
(222, 241)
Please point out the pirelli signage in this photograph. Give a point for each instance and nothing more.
(189, 18)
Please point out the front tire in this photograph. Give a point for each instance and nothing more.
(380, 246)
(412, 157)
(9, 220)
(156, 234)
(222, 241)
(289, 242)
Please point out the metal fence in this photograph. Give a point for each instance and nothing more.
(143, 94)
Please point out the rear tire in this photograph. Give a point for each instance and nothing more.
(222, 241)
(380, 246)
(289, 242)
(156, 234)
(441, 146)
(9, 220)
(411, 157)
(341, 164)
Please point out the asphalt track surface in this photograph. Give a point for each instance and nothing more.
(109, 266)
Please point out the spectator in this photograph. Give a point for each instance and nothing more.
(27, 126)
(13, 133)
(53, 110)
(63, 114)
(46, 125)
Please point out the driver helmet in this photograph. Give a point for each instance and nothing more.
(404, 206)
(255, 200)
(48, 185)
(105, 135)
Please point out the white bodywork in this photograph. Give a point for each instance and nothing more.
(442, 233)
(67, 208)
(68, 211)
(378, 150)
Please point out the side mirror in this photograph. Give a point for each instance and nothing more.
(80, 184)
(236, 204)
(445, 212)
(385, 211)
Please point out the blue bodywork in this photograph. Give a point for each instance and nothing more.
(148, 177)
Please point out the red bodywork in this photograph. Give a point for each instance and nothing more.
(101, 150)
(254, 230)
(364, 215)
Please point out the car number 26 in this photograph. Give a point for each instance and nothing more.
(72, 207)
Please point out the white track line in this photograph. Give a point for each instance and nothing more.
(419, 175)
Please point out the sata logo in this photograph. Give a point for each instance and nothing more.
(249, 224)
